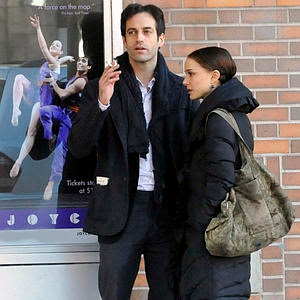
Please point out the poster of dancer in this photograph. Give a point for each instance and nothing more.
(49, 50)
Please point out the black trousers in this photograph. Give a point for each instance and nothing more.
(147, 232)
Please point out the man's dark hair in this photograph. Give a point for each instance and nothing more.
(154, 11)
(93, 40)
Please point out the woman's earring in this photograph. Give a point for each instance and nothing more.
(212, 86)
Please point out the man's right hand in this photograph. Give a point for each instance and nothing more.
(107, 82)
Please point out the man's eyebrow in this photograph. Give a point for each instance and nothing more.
(147, 27)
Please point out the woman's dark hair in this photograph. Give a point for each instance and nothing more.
(154, 11)
(215, 58)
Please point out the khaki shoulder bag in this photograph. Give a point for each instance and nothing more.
(255, 212)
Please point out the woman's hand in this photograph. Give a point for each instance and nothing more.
(35, 22)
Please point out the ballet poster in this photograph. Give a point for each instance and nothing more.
(49, 50)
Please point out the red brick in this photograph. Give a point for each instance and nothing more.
(194, 17)
(173, 33)
(194, 33)
(295, 48)
(291, 179)
(193, 3)
(288, 32)
(273, 297)
(265, 32)
(271, 147)
(292, 276)
(294, 81)
(289, 97)
(266, 130)
(292, 260)
(296, 225)
(230, 33)
(272, 285)
(265, 2)
(293, 194)
(289, 64)
(164, 3)
(265, 64)
(272, 269)
(226, 3)
(141, 280)
(254, 297)
(288, 2)
(271, 252)
(229, 16)
(294, 15)
(292, 244)
(233, 48)
(291, 162)
(175, 66)
(297, 213)
(273, 166)
(271, 48)
(289, 130)
(184, 49)
(166, 50)
(142, 264)
(244, 65)
(266, 97)
(264, 16)
(265, 81)
(269, 114)
(292, 293)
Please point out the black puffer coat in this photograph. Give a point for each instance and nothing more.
(213, 157)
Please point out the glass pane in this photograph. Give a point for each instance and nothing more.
(41, 185)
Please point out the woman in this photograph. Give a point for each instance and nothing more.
(213, 155)
(49, 69)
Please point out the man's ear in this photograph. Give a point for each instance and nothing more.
(161, 40)
(124, 41)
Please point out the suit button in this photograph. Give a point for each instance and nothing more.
(125, 179)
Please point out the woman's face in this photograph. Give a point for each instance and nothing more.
(198, 80)
(56, 48)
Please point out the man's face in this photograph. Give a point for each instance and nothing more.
(141, 38)
(82, 64)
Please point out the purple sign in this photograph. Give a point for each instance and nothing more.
(42, 218)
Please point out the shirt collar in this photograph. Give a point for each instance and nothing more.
(149, 86)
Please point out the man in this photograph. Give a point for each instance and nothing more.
(61, 115)
(137, 116)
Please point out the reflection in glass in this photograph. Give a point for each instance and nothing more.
(26, 77)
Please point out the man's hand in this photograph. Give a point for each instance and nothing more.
(107, 82)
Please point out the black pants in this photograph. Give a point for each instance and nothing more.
(147, 232)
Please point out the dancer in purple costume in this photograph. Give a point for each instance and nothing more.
(61, 115)
(51, 68)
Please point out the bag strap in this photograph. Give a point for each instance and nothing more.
(227, 116)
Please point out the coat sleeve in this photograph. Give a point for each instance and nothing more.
(219, 163)
(87, 124)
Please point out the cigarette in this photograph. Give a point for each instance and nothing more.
(110, 64)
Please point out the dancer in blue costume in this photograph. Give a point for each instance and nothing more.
(50, 69)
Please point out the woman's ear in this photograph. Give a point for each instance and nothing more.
(215, 76)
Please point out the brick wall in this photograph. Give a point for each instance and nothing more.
(263, 36)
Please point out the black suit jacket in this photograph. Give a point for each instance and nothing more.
(109, 203)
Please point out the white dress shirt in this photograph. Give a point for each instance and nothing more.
(146, 175)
